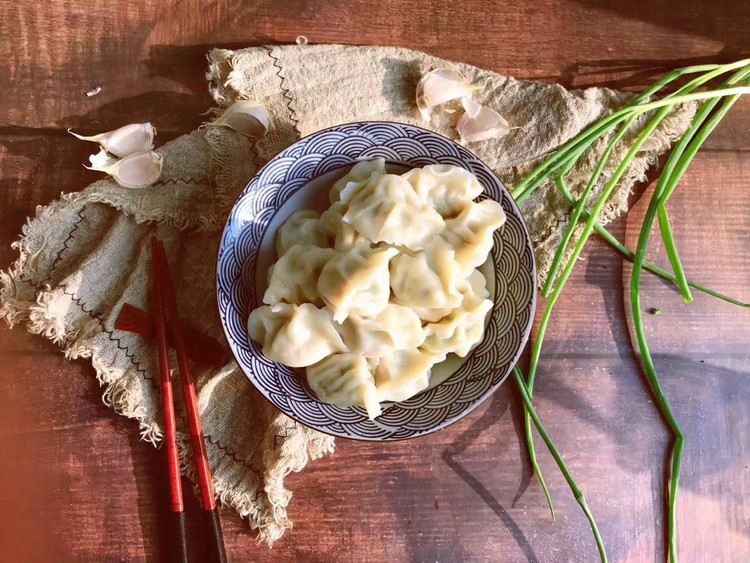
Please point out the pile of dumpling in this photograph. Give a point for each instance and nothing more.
(383, 285)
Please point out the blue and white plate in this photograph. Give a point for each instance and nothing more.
(299, 178)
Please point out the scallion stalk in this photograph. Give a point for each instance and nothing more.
(559, 164)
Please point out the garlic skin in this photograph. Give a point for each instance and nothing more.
(246, 117)
(480, 123)
(127, 140)
(135, 171)
(439, 86)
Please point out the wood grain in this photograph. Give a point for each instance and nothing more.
(77, 483)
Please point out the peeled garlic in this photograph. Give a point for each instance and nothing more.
(135, 171)
(439, 86)
(480, 123)
(102, 159)
(127, 140)
(246, 117)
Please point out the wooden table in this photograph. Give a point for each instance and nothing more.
(77, 484)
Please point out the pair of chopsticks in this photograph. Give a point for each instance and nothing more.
(166, 315)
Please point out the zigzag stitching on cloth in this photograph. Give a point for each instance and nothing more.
(285, 90)
(183, 180)
(128, 354)
(232, 453)
(137, 365)
(69, 238)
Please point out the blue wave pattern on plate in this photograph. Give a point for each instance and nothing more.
(488, 364)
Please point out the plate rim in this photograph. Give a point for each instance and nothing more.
(490, 391)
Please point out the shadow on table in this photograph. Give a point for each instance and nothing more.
(720, 20)
(631, 74)
(492, 415)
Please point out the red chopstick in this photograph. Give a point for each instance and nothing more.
(191, 403)
(170, 427)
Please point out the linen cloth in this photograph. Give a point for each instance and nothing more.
(85, 255)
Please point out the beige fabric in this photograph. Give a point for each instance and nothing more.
(86, 254)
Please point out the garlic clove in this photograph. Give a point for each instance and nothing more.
(246, 117)
(439, 86)
(135, 171)
(471, 107)
(480, 123)
(127, 140)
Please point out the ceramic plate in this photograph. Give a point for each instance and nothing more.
(299, 178)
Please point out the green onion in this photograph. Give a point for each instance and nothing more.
(562, 249)
(535, 178)
(682, 164)
(529, 408)
(674, 259)
(573, 222)
(673, 171)
(628, 254)
(559, 164)
(588, 228)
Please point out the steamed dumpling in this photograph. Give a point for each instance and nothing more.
(356, 281)
(475, 287)
(404, 373)
(367, 337)
(383, 285)
(345, 380)
(293, 335)
(470, 233)
(431, 314)
(460, 331)
(395, 328)
(360, 173)
(301, 227)
(388, 210)
(344, 235)
(294, 277)
(444, 187)
(428, 278)
(403, 325)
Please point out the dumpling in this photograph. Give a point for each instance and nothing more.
(388, 210)
(404, 373)
(475, 286)
(443, 187)
(395, 328)
(294, 277)
(403, 325)
(301, 227)
(356, 281)
(293, 335)
(345, 380)
(428, 278)
(431, 314)
(460, 331)
(470, 233)
(367, 337)
(360, 173)
(344, 235)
